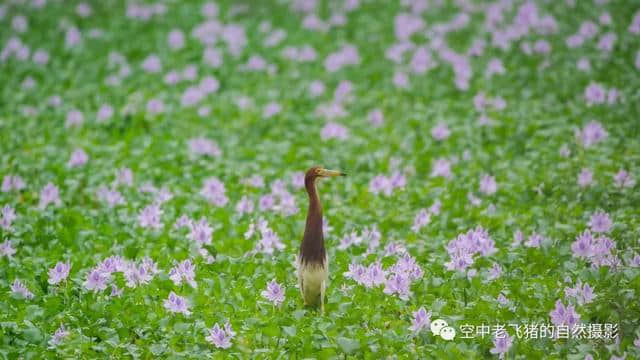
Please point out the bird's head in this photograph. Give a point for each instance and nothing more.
(318, 172)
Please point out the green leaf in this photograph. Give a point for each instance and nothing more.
(348, 345)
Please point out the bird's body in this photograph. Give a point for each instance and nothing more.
(313, 264)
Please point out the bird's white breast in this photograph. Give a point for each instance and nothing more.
(312, 279)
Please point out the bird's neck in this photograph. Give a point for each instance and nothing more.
(312, 249)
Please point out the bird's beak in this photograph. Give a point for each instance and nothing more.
(330, 173)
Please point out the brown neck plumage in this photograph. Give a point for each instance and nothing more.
(312, 249)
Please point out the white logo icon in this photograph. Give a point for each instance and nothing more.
(440, 327)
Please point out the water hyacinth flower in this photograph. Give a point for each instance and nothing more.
(501, 345)
(564, 315)
(8, 214)
(96, 280)
(623, 179)
(49, 195)
(200, 232)
(334, 130)
(184, 270)
(58, 336)
(149, 217)
(221, 337)
(59, 272)
(464, 246)
(488, 185)
(12, 182)
(585, 178)
(398, 284)
(582, 293)
(177, 304)
(422, 219)
(591, 134)
(421, 320)
(6, 249)
(214, 191)
(600, 222)
(78, 158)
(18, 288)
(136, 275)
(274, 293)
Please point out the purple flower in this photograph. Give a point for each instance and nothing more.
(582, 293)
(183, 270)
(155, 106)
(96, 280)
(585, 178)
(74, 118)
(49, 194)
(12, 182)
(376, 117)
(440, 131)
(110, 196)
(534, 240)
(124, 176)
(177, 304)
(204, 146)
(333, 130)
(595, 94)
(274, 293)
(200, 232)
(150, 216)
(59, 272)
(136, 275)
(152, 64)
(441, 167)
(8, 215)
(104, 113)
(347, 55)
(382, 184)
(582, 246)
(78, 158)
(376, 276)
(18, 288)
(422, 219)
(175, 39)
(115, 292)
(214, 191)
(219, 337)
(488, 185)
(600, 222)
(59, 334)
(398, 284)
(357, 273)
(624, 179)
(564, 315)
(501, 344)
(502, 300)
(271, 109)
(269, 240)
(244, 205)
(591, 134)
(495, 272)
(421, 320)
(6, 249)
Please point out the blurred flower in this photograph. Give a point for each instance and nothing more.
(488, 185)
(59, 272)
(49, 195)
(184, 270)
(6, 249)
(96, 280)
(150, 216)
(177, 304)
(58, 336)
(600, 222)
(333, 130)
(398, 284)
(175, 39)
(204, 146)
(214, 191)
(623, 179)
(585, 178)
(18, 288)
(564, 315)
(501, 344)
(274, 293)
(421, 320)
(8, 215)
(440, 132)
(219, 337)
(78, 158)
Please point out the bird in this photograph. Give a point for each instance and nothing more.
(313, 264)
